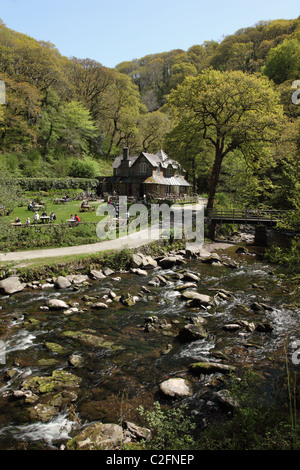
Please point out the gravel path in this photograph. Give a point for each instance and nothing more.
(134, 240)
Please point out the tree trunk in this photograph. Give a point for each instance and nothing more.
(214, 179)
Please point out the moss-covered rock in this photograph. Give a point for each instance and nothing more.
(210, 368)
(97, 436)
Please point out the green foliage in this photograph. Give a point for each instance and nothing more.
(283, 62)
(80, 169)
(171, 429)
(45, 184)
(255, 425)
(286, 257)
(227, 112)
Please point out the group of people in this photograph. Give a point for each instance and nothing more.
(75, 218)
(36, 218)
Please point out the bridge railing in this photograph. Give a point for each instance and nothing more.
(248, 214)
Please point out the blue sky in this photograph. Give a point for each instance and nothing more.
(114, 31)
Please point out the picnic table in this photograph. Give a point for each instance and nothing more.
(38, 207)
(45, 218)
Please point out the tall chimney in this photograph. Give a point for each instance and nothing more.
(125, 153)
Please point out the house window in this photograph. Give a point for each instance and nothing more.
(143, 167)
(168, 172)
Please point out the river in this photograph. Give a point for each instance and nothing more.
(115, 381)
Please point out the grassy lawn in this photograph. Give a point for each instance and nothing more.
(62, 211)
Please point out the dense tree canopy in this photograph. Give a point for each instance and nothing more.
(65, 116)
(229, 111)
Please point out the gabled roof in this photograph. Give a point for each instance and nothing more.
(156, 160)
(117, 160)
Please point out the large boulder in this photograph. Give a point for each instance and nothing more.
(57, 304)
(97, 436)
(170, 261)
(176, 387)
(11, 285)
(197, 300)
(136, 260)
(192, 332)
(95, 274)
(77, 278)
(149, 262)
(62, 282)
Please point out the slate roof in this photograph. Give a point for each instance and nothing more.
(156, 160)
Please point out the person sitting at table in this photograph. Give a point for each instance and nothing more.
(17, 220)
(44, 214)
(28, 221)
(30, 206)
(52, 216)
(36, 217)
(72, 217)
(77, 218)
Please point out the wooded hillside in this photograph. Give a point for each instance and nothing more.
(70, 117)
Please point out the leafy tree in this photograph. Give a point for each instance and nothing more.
(152, 128)
(228, 111)
(283, 61)
(80, 169)
(119, 121)
(19, 115)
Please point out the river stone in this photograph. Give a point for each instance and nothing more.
(54, 347)
(149, 262)
(140, 272)
(76, 360)
(210, 367)
(97, 436)
(192, 332)
(188, 276)
(200, 299)
(176, 387)
(186, 286)
(56, 304)
(170, 261)
(108, 272)
(43, 412)
(95, 274)
(77, 278)
(213, 258)
(11, 285)
(128, 300)
(62, 282)
(136, 260)
(225, 399)
(59, 380)
(90, 339)
(99, 305)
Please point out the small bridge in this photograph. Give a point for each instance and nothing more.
(249, 216)
(260, 218)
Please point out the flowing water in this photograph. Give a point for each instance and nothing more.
(116, 381)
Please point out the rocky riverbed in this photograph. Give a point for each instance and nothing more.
(81, 350)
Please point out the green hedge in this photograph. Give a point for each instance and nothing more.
(46, 184)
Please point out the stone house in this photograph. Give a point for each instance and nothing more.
(146, 174)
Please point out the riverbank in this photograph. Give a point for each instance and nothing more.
(94, 343)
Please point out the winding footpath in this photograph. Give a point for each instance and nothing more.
(133, 240)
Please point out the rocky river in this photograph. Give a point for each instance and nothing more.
(84, 349)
